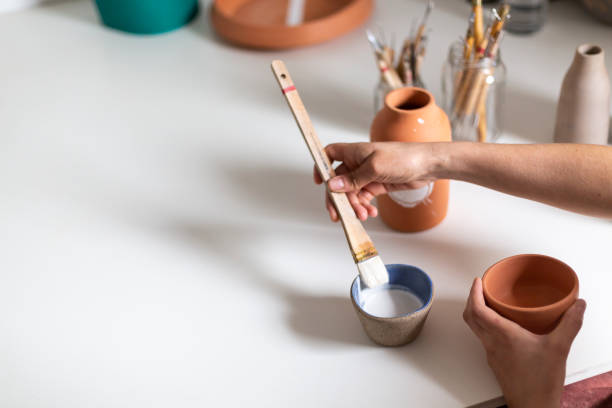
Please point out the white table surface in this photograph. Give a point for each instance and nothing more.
(163, 244)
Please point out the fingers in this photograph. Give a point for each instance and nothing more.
(469, 314)
(372, 210)
(362, 209)
(360, 177)
(316, 176)
(338, 151)
(354, 180)
(570, 324)
(358, 155)
(333, 214)
(482, 319)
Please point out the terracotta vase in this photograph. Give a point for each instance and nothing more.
(583, 112)
(411, 115)
(531, 290)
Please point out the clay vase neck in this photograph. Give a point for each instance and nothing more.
(409, 105)
(588, 58)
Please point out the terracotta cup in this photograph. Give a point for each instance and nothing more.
(400, 330)
(531, 290)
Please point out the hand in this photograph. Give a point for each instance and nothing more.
(371, 169)
(530, 368)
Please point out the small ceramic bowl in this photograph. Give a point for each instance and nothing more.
(400, 330)
(531, 290)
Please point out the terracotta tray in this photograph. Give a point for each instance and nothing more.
(261, 23)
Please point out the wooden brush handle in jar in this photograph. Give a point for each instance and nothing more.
(359, 242)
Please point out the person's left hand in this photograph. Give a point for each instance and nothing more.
(530, 368)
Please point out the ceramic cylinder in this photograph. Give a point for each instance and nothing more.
(583, 112)
(411, 115)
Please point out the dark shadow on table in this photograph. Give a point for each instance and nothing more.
(465, 255)
(313, 317)
(326, 318)
(327, 100)
(279, 191)
(329, 321)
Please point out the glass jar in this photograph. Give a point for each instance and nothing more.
(380, 92)
(472, 95)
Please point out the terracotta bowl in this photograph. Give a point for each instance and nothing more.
(531, 290)
(403, 329)
(261, 23)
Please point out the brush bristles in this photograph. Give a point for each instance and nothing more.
(372, 272)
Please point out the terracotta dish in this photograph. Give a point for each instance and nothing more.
(532, 290)
(261, 23)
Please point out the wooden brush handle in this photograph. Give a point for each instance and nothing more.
(388, 73)
(359, 242)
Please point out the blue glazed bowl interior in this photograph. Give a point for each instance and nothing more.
(408, 276)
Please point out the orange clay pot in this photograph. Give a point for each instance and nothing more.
(261, 23)
(411, 115)
(531, 290)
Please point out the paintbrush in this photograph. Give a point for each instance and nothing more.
(500, 18)
(388, 73)
(372, 271)
(478, 21)
(469, 40)
(421, 30)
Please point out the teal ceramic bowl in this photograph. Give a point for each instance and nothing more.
(146, 16)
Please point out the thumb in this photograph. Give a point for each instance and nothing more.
(570, 324)
(355, 180)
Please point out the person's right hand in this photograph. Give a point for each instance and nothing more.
(371, 169)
